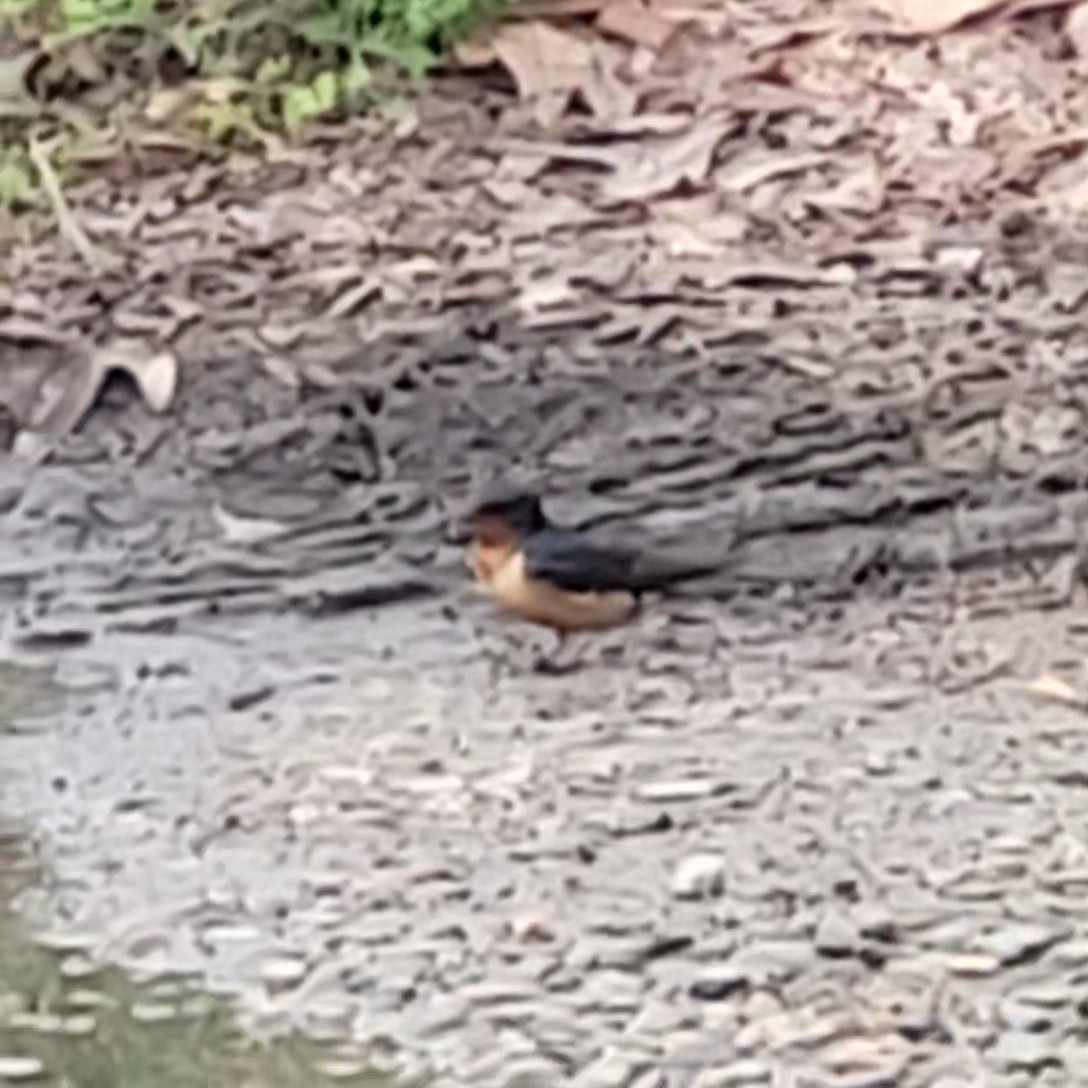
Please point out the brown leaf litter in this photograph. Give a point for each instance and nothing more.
(633, 164)
(47, 389)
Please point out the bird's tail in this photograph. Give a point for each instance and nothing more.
(664, 574)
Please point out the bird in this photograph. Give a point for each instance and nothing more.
(559, 578)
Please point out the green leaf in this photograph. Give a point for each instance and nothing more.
(415, 58)
(222, 120)
(326, 88)
(273, 70)
(299, 104)
(356, 77)
(80, 13)
(17, 187)
(323, 30)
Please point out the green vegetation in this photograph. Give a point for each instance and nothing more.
(89, 79)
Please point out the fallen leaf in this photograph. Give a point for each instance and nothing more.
(934, 16)
(556, 9)
(166, 103)
(862, 191)
(609, 97)
(85, 63)
(966, 259)
(32, 447)
(650, 124)
(1051, 687)
(754, 169)
(20, 327)
(13, 70)
(1017, 8)
(653, 167)
(282, 371)
(636, 23)
(281, 336)
(50, 394)
(15, 99)
(541, 58)
(864, 1055)
(156, 376)
(474, 52)
(1064, 188)
(773, 36)
(706, 239)
(533, 929)
(1076, 29)
(544, 295)
(355, 298)
(63, 396)
(239, 530)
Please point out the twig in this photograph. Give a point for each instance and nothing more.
(66, 221)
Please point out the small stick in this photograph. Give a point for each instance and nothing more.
(66, 221)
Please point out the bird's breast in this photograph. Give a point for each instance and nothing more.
(544, 603)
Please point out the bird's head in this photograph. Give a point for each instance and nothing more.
(504, 510)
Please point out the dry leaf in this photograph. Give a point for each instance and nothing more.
(707, 239)
(541, 58)
(475, 52)
(861, 191)
(1064, 190)
(653, 167)
(1018, 8)
(1051, 687)
(634, 21)
(22, 327)
(15, 99)
(240, 530)
(22, 376)
(32, 447)
(281, 336)
(757, 167)
(1071, 202)
(282, 371)
(604, 92)
(556, 9)
(544, 295)
(934, 16)
(166, 103)
(64, 396)
(1076, 29)
(157, 378)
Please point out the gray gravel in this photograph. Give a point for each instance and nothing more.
(834, 866)
(807, 828)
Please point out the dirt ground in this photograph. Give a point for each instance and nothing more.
(803, 292)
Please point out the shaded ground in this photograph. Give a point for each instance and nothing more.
(807, 827)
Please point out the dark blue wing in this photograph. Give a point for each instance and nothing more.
(575, 564)
(572, 562)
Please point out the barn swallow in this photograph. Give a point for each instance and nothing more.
(557, 577)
